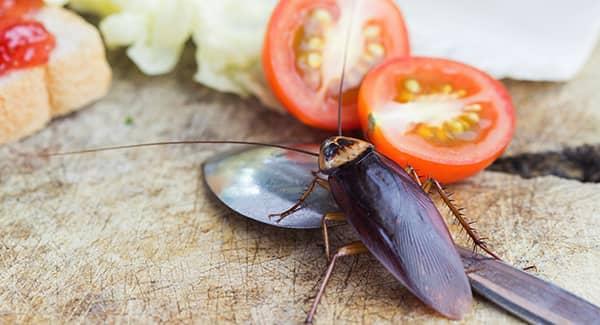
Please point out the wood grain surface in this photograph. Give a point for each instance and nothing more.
(133, 236)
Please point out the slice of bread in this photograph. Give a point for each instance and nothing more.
(76, 74)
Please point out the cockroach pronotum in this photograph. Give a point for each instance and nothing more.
(392, 213)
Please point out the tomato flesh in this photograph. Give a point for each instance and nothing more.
(23, 43)
(304, 52)
(444, 118)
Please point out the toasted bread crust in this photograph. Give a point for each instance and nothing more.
(24, 104)
(76, 74)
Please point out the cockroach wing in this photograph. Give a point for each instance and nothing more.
(402, 228)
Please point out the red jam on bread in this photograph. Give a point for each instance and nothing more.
(24, 42)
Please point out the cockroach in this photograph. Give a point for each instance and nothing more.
(392, 213)
(396, 221)
(277, 173)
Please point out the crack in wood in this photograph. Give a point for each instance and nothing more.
(580, 163)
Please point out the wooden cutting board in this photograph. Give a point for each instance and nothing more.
(133, 236)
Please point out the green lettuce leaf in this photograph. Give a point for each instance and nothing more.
(228, 35)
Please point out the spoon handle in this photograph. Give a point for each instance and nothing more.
(524, 295)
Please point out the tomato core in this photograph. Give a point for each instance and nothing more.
(438, 112)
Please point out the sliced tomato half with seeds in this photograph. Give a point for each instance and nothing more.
(304, 52)
(446, 119)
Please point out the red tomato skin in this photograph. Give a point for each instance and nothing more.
(444, 171)
(288, 86)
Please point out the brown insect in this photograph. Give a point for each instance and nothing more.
(396, 221)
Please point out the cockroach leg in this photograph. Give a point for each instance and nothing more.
(474, 269)
(413, 173)
(478, 241)
(297, 206)
(323, 183)
(426, 186)
(331, 216)
(347, 250)
(530, 267)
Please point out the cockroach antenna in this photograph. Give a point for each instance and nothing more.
(152, 144)
(341, 89)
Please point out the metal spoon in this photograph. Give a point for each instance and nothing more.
(257, 181)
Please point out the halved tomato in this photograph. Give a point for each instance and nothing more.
(446, 119)
(304, 52)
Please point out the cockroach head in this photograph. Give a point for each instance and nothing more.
(338, 150)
